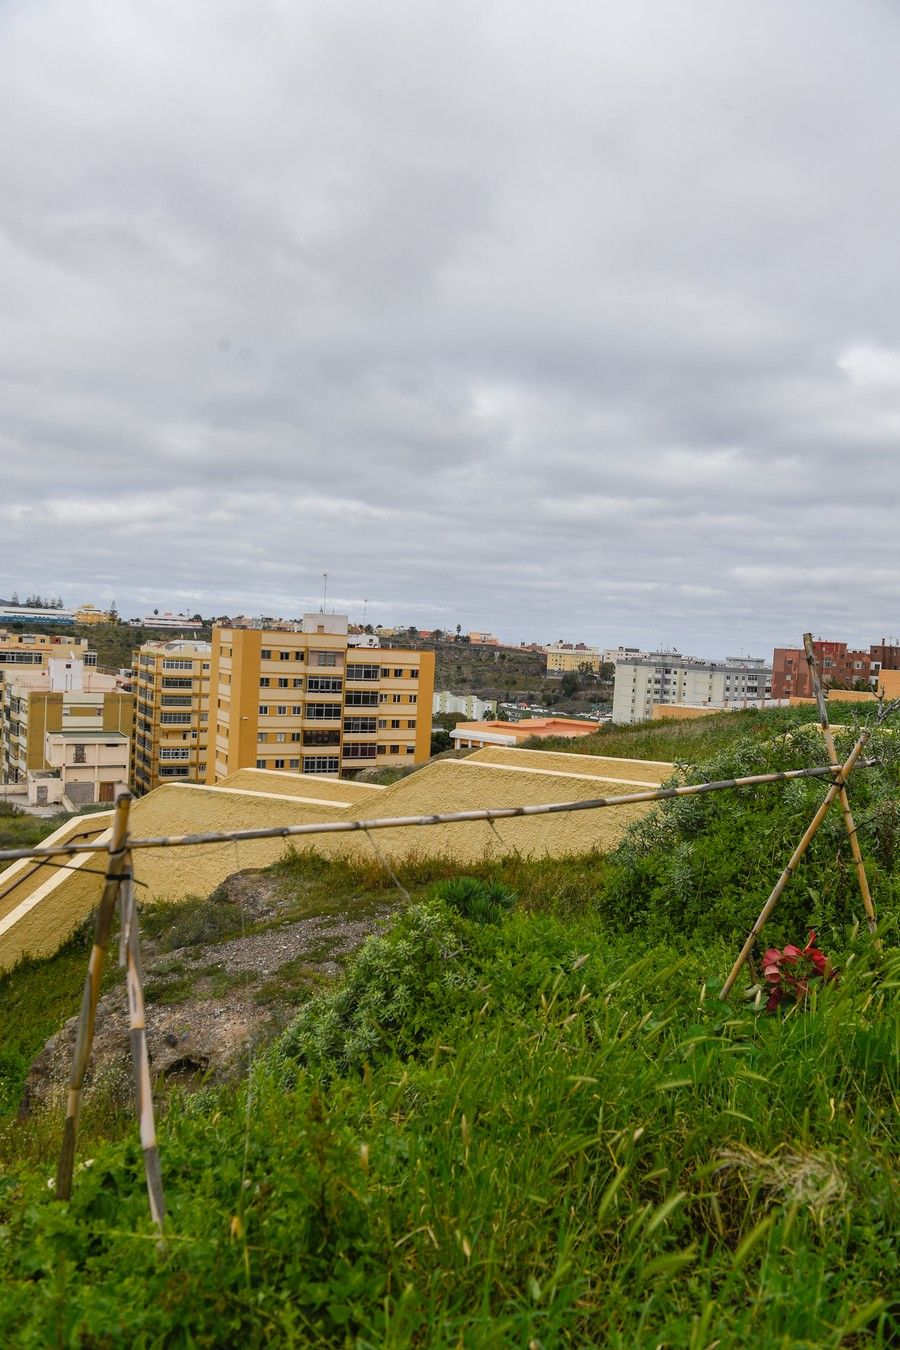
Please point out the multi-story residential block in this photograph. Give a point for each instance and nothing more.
(468, 705)
(563, 657)
(305, 700)
(171, 683)
(666, 678)
(883, 655)
(65, 716)
(12, 612)
(837, 665)
(87, 615)
(182, 622)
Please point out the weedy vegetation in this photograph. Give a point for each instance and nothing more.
(522, 1117)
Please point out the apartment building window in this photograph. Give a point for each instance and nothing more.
(266, 654)
(279, 764)
(295, 735)
(321, 738)
(410, 749)
(298, 656)
(320, 764)
(281, 735)
(296, 709)
(382, 749)
(176, 700)
(282, 683)
(325, 658)
(80, 754)
(359, 751)
(169, 719)
(363, 672)
(174, 771)
(361, 698)
(281, 709)
(410, 724)
(175, 752)
(263, 709)
(413, 698)
(264, 682)
(396, 698)
(293, 764)
(395, 724)
(176, 682)
(395, 749)
(398, 674)
(324, 684)
(260, 763)
(284, 656)
(297, 684)
(262, 736)
(177, 665)
(358, 724)
(323, 712)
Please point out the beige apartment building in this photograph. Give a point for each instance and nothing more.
(64, 726)
(305, 700)
(171, 685)
(32, 651)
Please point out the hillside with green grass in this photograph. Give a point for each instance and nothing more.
(521, 1114)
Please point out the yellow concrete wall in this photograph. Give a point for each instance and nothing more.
(600, 766)
(675, 712)
(836, 696)
(344, 791)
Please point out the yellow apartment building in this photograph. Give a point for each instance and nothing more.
(305, 700)
(85, 615)
(171, 686)
(62, 717)
(562, 659)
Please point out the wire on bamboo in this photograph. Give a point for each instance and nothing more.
(843, 771)
(84, 1035)
(849, 825)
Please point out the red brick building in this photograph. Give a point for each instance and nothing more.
(838, 666)
(884, 656)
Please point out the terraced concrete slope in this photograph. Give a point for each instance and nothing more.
(463, 785)
(297, 785)
(38, 910)
(40, 904)
(639, 772)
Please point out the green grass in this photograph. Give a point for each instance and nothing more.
(692, 740)
(18, 829)
(543, 1128)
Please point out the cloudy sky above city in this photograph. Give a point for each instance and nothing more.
(574, 320)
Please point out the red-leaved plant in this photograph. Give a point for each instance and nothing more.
(788, 973)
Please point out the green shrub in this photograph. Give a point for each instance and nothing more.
(480, 901)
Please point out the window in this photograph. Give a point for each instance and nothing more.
(264, 682)
(176, 700)
(260, 763)
(320, 764)
(361, 698)
(396, 698)
(264, 710)
(382, 723)
(177, 682)
(174, 771)
(363, 672)
(411, 723)
(298, 656)
(284, 656)
(382, 750)
(263, 736)
(410, 749)
(296, 709)
(177, 665)
(295, 735)
(266, 654)
(282, 683)
(358, 724)
(281, 709)
(174, 752)
(398, 674)
(325, 658)
(323, 712)
(413, 698)
(293, 764)
(359, 751)
(321, 738)
(279, 764)
(175, 719)
(80, 754)
(324, 684)
(281, 736)
(297, 684)
(395, 724)
(395, 749)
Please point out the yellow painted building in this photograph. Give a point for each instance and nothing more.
(171, 717)
(26, 652)
(562, 659)
(60, 700)
(86, 615)
(308, 702)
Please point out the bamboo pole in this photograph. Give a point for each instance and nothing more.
(85, 1034)
(130, 957)
(849, 823)
(842, 773)
(445, 818)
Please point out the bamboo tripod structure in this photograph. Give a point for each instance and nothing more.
(837, 789)
(119, 882)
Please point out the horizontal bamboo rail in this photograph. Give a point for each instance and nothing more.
(445, 818)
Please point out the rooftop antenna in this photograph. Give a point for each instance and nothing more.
(324, 590)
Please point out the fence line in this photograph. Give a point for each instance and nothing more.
(445, 818)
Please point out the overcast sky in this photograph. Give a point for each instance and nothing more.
(557, 319)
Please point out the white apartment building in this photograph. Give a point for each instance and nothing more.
(467, 705)
(666, 677)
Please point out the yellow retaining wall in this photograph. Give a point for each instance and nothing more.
(639, 771)
(343, 791)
